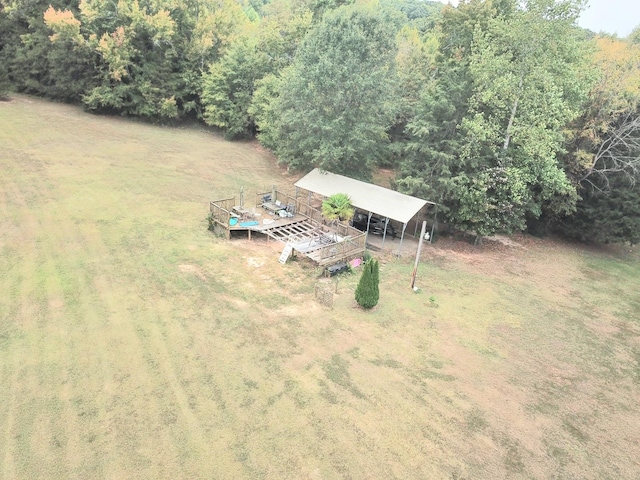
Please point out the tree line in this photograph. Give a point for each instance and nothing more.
(504, 112)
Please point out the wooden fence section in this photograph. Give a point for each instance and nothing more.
(221, 213)
(323, 294)
(312, 213)
(346, 249)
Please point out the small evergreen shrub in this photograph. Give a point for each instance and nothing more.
(368, 291)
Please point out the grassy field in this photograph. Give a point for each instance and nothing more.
(134, 344)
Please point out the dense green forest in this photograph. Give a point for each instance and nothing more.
(505, 112)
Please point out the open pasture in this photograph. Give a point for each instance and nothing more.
(134, 344)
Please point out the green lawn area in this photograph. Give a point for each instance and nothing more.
(135, 344)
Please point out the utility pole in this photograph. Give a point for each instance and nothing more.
(415, 265)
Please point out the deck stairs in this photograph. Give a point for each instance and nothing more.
(302, 236)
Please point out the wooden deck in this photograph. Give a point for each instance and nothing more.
(273, 223)
(304, 231)
(312, 241)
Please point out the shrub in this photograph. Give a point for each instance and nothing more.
(5, 87)
(368, 292)
(337, 207)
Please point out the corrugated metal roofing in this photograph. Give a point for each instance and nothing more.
(365, 196)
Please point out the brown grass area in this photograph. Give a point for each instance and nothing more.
(134, 344)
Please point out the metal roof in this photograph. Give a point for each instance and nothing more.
(365, 196)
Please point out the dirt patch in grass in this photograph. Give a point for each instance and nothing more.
(193, 269)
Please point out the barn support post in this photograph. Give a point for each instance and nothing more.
(404, 226)
(384, 235)
(415, 265)
(433, 227)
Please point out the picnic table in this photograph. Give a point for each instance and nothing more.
(273, 207)
(240, 212)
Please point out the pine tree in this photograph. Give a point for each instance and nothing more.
(607, 216)
(368, 292)
(376, 277)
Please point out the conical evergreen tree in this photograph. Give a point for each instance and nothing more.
(376, 274)
(368, 292)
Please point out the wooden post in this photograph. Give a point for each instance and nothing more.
(415, 265)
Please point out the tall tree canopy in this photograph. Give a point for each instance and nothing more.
(517, 73)
(131, 57)
(503, 111)
(336, 101)
(605, 138)
(603, 148)
(229, 86)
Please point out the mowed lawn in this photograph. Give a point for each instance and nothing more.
(134, 344)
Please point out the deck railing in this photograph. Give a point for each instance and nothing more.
(221, 212)
(352, 242)
(346, 249)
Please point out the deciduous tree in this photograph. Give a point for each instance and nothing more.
(603, 151)
(497, 132)
(228, 88)
(336, 102)
(605, 139)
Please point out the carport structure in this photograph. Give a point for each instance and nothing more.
(374, 199)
